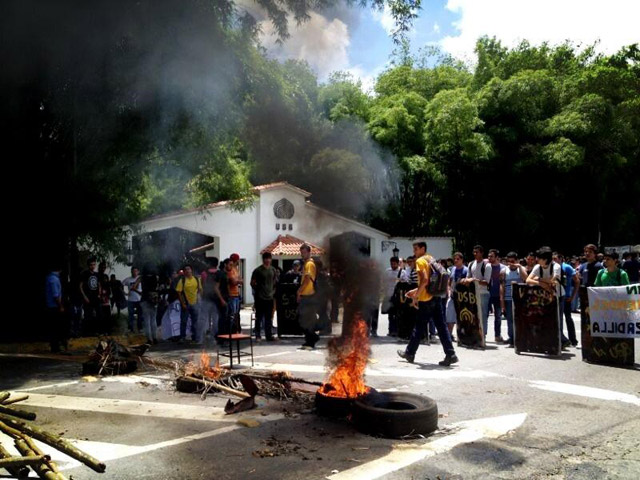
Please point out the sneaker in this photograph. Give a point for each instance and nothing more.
(258, 340)
(574, 344)
(271, 339)
(448, 360)
(499, 339)
(406, 356)
(566, 344)
(306, 347)
(374, 334)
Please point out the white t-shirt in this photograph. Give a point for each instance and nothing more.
(475, 271)
(546, 273)
(391, 277)
(129, 282)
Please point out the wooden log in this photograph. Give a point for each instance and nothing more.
(4, 396)
(8, 462)
(17, 413)
(42, 469)
(13, 433)
(18, 472)
(16, 399)
(281, 379)
(55, 441)
(216, 386)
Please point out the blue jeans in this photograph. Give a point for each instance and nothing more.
(264, 315)
(508, 312)
(427, 312)
(497, 312)
(565, 309)
(190, 311)
(149, 311)
(483, 311)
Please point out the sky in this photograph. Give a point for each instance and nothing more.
(357, 39)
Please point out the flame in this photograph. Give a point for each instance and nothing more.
(347, 378)
(202, 367)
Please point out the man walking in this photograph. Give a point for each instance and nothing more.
(263, 282)
(428, 308)
(307, 311)
(189, 290)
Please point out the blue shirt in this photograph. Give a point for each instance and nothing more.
(511, 276)
(568, 274)
(53, 289)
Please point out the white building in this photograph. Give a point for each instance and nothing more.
(282, 217)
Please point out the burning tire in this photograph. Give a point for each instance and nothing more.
(395, 414)
(336, 407)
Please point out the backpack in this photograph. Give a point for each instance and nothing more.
(439, 279)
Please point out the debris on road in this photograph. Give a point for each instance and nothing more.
(113, 358)
(30, 454)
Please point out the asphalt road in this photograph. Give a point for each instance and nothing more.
(503, 416)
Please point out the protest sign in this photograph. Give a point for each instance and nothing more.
(536, 320)
(469, 327)
(615, 311)
(603, 350)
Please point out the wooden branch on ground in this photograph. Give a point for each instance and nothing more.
(7, 462)
(281, 379)
(4, 396)
(16, 399)
(18, 472)
(42, 469)
(17, 413)
(55, 441)
(217, 386)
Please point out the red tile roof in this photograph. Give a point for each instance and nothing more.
(288, 245)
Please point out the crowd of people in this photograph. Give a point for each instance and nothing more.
(493, 278)
(198, 305)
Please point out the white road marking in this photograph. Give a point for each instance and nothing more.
(583, 391)
(404, 455)
(135, 379)
(385, 372)
(128, 407)
(51, 385)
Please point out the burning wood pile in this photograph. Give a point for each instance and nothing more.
(200, 376)
(113, 358)
(29, 455)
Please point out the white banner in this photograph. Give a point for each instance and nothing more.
(615, 311)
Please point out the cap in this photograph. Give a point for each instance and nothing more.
(234, 257)
(296, 262)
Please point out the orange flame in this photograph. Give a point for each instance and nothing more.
(347, 379)
(202, 366)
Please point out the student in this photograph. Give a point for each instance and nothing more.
(571, 284)
(457, 273)
(514, 273)
(189, 289)
(589, 270)
(263, 282)
(428, 308)
(307, 311)
(632, 267)
(546, 273)
(611, 275)
(480, 274)
(496, 292)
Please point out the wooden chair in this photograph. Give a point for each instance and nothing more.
(237, 336)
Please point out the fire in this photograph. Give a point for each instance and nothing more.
(203, 367)
(347, 377)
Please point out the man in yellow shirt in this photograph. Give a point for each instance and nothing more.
(428, 308)
(189, 290)
(307, 309)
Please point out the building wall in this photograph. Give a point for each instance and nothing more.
(248, 232)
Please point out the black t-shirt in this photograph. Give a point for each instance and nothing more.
(632, 267)
(223, 283)
(591, 269)
(149, 288)
(90, 281)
